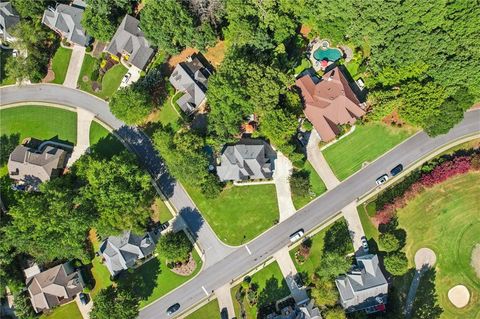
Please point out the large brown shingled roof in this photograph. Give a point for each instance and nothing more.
(329, 103)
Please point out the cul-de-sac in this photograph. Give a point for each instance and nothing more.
(239, 159)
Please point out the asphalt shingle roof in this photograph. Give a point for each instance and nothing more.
(67, 20)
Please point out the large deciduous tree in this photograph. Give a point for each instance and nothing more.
(131, 105)
(102, 17)
(114, 302)
(175, 246)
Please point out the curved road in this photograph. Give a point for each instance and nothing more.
(239, 261)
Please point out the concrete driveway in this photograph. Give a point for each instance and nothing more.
(281, 176)
(134, 76)
(84, 309)
(319, 163)
(74, 67)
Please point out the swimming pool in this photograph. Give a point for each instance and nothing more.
(327, 54)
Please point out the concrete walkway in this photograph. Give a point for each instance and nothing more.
(355, 228)
(84, 309)
(74, 67)
(283, 170)
(289, 271)
(84, 119)
(315, 157)
(224, 298)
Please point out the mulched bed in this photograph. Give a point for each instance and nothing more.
(185, 269)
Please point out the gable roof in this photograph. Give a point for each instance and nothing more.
(129, 38)
(190, 77)
(67, 20)
(8, 17)
(247, 159)
(53, 286)
(34, 166)
(362, 285)
(329, 102)
(121, 252)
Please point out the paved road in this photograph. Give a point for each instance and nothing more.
(239, 261)
(214, 249)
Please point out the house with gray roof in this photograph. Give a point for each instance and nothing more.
(54, 286)
(129, 43)
(364, 287)
(191, 78)
(67, 21)
(248, 159)
(8, 19)
(32, 166)
(123, 251)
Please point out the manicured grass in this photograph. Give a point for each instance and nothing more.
(271, 287)
(68, 311)
(161, 212)
(60, 64)
(318, 187)
(446, 218)
(40, 122)
(104, 142)
(305, 64)
(4, 55)
(97, 132)
(110, 82)
(169, 114)
(239, 213)
(153, 279)
(100, 273)
(210, 310)
(365, 144)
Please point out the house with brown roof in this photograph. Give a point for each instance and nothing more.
(53, 287)
(329, 102)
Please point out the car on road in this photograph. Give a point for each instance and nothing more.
(365, 244)
(396, 170)
(126, 77)
(83, 298)
(382, 179)
(173, 308)
(296, 235)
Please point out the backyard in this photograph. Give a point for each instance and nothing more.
(364, 145)
(169, 113)
(60, 64)
(41, 122)
(317, 187)
(210, 310)
(445, 218)
(239, 213)
(270, 287)
(110, 82)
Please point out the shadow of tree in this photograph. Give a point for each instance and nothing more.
(273, 291)
(106, 147)
(425, 305)
(143, 280)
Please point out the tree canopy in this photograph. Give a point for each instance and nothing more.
(114, 302)
(131, 104)
(175, 246)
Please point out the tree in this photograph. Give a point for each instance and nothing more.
(325, 293)
(102, 17)
(113, 302)
(131, 105)
(389, 242)
(52, 224)
(334, 313)
(396, 263)
(31, 9)
(300, 183)
(23, 307)
(337, 239)
(119, 189)
(175, 246)
(7, 145)
(332, 265)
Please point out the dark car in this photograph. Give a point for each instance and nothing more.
(173, 308)
(83, 298)
(396, 170)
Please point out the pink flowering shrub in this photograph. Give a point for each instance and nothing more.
(459, 165)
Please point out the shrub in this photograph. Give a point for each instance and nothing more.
(300, 183)
(459, 165)
(337, 239)
(175, 246)
(89, 49)
(389, 242)
(396, 263)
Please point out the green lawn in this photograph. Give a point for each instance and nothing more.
(169, 114)
(153, 279)
(40, 122)
(271, 287)
(446, 218)
(97, 132)
(100, 273)
(4, 54)
(104, 142)
(318, 187)
(239, 213)
(161, 211)
(60, 64)
(365, 144)
(110, 82)
(68, 311)
(209, 311)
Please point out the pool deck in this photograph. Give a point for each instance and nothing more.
(315, 45)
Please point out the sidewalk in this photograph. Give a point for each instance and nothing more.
(315, 157)
(225, 301)
(289, 271)
(84, 119)
(283, 169)
(354, 227)
(74, 67)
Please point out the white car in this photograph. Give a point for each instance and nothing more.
(296, 235)
(382, 179)
(126, 77)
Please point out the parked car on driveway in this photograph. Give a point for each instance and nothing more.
(173, 308)
(365, 244)
(126, 77)
(296, 235)
(382, 179)
(83, 298)
(396, 170)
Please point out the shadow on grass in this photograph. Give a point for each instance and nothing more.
(425, 305)
(273, 291)
(106, 147)
(141, 281)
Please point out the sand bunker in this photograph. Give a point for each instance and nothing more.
(425, 257)
(476, 259)
(459, 296)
